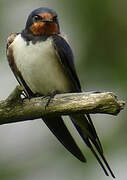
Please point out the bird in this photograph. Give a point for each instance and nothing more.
(42, 61)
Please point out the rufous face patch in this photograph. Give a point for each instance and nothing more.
(46, 16)
(42, 28)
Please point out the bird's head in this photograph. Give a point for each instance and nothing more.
(42, 21)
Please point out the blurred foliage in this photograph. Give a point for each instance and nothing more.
(97, 32)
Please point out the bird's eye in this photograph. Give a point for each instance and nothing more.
(54, 18)
(37, 18)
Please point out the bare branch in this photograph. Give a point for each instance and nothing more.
(15, 109)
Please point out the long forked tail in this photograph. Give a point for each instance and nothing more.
(86, 129)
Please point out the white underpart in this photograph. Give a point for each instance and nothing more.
(40, 66)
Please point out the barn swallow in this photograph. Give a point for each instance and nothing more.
(43, 63)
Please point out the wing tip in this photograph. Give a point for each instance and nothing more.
(82, 159)
(63, 135)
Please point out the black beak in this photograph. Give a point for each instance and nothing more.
(47, 20)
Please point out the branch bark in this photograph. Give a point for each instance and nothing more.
(15, 109)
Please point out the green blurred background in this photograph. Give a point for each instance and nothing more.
(97, 32)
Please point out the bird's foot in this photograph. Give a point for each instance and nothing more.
(51, 96)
